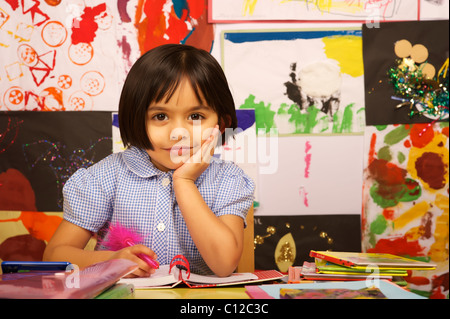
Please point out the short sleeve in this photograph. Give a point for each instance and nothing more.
(85, 201)
(235, 193)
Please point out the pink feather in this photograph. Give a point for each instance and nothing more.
(120, 237)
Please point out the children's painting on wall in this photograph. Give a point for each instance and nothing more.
(406, 72)
(24, 235)
(298, 82)
(284, 241)
(333, 10)
(406, 139)
(310, 172)
(406, 203)
(39, 151)
(74, 55)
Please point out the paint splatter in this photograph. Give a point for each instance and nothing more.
(410, 215)
(160, 22)
(84, 30)
(311, 120)
(429, 163)
(398, 246)
(391, 185)
(304, 194)
(431, 169)
(264, 116)
(379, 225)
(16, 192)
(439, 285)
(396, 135)
(40, 225)
(388, 214)
(419, 137)
(347, 50)
(202, 34)
(122, 8)
(439, 249)
(386, 173)
(22, 247)
(307, 158)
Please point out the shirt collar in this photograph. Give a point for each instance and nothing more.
(138, 161)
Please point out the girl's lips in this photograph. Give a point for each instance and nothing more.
(179, 150)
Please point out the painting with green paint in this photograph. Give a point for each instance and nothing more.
(405, 198)
(298, 81)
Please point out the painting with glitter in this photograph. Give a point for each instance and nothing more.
(406, 72)
(284, 241)
(39, 151)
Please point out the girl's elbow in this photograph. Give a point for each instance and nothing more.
(224, 271)
(228, 265)
(47, 256)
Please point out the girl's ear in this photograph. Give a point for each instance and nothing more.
(224, 122)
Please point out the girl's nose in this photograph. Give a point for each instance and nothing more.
(179, 133)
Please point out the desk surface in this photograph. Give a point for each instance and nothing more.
(193, 293)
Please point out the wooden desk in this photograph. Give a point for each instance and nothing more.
(193, 293)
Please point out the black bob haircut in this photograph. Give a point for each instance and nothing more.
(157, 74)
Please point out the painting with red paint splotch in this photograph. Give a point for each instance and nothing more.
(74, 55)
(406, 196)
(24, 234)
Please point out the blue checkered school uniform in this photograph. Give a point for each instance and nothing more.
(127, 188)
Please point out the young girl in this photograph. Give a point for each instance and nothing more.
(175, 103)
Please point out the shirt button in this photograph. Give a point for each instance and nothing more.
(165, 181)
(161, 227)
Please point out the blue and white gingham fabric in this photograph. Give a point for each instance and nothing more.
(127, 188)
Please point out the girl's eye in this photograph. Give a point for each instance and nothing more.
(195, 117)
(160, 117)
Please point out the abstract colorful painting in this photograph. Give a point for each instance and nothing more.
(74, 55)
(406, 202)
(316, 10)
(39, 151)
(299, 81)
(406, 72)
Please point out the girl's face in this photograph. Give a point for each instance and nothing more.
(177, 128)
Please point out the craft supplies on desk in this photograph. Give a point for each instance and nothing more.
(349, 266)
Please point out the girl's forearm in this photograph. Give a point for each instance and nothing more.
(219, 245)
(76, 256)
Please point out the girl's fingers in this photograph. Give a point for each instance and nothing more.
(209, 144)
(132, 253)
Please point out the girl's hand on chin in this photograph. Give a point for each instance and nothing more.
(198, 162)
